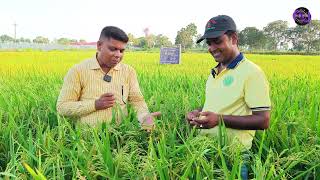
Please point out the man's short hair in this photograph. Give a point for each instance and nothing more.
(230, 32)
(114, 33)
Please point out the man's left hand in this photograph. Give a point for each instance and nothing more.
(206, 120)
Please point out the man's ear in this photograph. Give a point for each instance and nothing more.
(99, 45)
(235, 38)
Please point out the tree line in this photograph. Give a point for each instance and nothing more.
(39, 40)
(276, 36)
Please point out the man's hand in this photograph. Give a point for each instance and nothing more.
(206, 120)
(148, 123)
(105, 101)
(192, 115)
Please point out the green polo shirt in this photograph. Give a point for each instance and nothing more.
(238, 90)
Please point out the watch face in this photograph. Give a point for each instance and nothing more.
(302, 16)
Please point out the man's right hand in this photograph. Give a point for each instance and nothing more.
(105, 101)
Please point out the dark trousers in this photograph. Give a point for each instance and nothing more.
(244, 171)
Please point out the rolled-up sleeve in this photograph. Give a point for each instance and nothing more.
(257, 92)
(135, 97)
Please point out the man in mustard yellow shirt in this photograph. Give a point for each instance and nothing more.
(237, 91)
(97, 87)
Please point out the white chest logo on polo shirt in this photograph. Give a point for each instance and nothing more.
(228, 80)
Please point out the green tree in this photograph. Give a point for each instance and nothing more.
(27, 40)
(141, 42)
(316, 45)
(186, 36)
(253, 38)
(150, 40)
(161, 40)
(202, 44)
(6, 38)
(63, 41)
(82, 41)
(276, 33)
(132, 40)
(24, 40)
(73, 40)
(305, 37)
(41, 40)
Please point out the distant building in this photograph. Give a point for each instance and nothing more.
(83, 44)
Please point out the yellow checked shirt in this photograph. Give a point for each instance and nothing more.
(84, 83)
(237, 90)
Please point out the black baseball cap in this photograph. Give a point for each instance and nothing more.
(217, 26)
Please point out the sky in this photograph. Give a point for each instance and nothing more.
(80, 19)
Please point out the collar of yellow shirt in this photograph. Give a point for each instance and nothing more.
(95, 65)
(232, 65)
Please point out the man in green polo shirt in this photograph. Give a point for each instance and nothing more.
(237, 91)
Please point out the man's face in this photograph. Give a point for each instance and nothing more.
(222, 48)
(110, 52)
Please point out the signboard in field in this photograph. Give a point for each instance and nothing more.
(170, 55)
